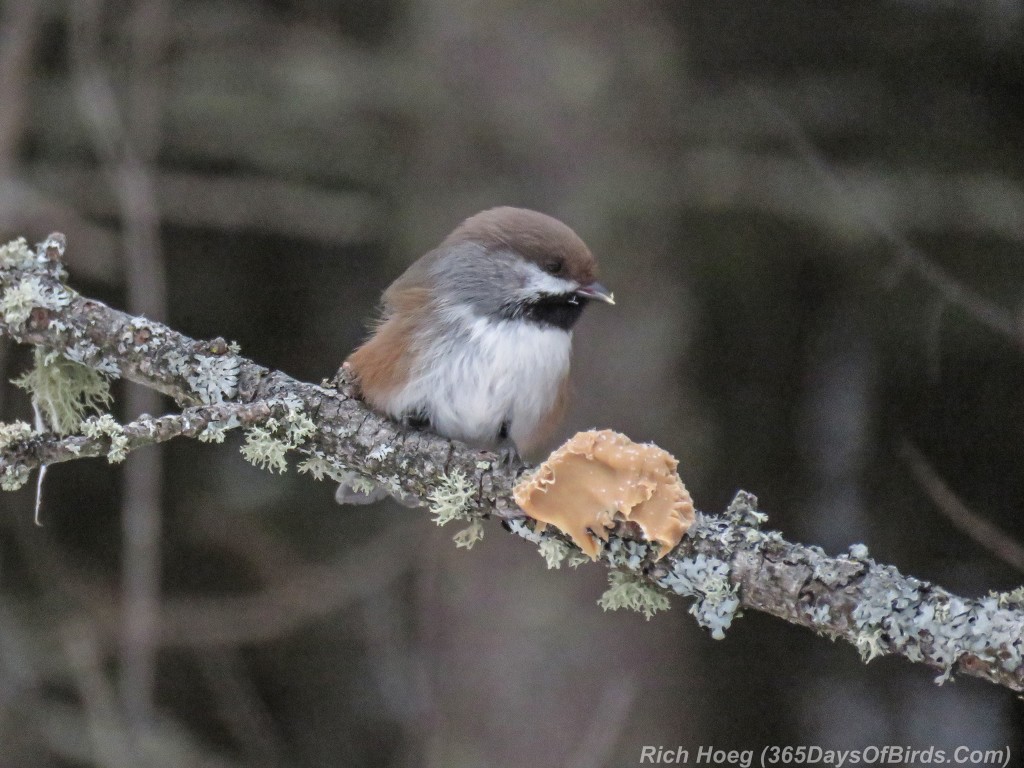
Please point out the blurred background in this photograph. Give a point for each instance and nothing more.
(812, 215)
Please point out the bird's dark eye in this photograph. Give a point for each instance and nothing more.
(553, 267)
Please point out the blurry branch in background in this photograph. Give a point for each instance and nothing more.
(991, 202)
(241, 708)
(982, 531)
(293, 598)
(126, 139)
(19, 29)
(98, 732)
(230, 203)
(864, 204)
(726, 563)
(213, 629)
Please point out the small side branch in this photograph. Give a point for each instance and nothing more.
(195, 421)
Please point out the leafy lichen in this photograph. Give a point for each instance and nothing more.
(898, 614)
(16, 255)
(521, 529)
(87, 353)
(858, 551)
(13, 477)
(14, 432)
(105, 426)
(707, 579)
(319, 466)
(380, 452)
(743, 510)
(18, 300)
(214, 377)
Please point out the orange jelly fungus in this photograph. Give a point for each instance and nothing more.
(600, 477)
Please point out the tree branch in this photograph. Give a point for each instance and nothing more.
(726, 563)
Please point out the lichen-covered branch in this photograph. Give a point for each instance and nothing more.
(725, 563)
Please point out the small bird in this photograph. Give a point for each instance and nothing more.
(475, 337)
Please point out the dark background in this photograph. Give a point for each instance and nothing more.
(811, 215)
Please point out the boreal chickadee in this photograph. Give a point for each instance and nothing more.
(475, 337)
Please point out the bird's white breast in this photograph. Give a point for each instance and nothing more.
(483, 371)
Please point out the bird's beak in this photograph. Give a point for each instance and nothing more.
(596, 291)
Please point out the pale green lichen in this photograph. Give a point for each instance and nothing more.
(626, 591)
(96, 427)
(18, 300)
(319, 466)
(1012, 599)
(470, 535)
(298, 427)
(362, 484)
(266, 445)
(869, 644)
(264, 450)
(554, 551)
(16, 255)
(451, 498)
(576, 559)
(14, 432)
(214, 432)
(65, 392)
(743, 510)
(820, 614)
(13, 477)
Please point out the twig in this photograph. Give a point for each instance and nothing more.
(241, 708)
(145, 431)
(304, 594)
(111, 747)
(981, 530)
(231, 202)
(908, 256)
(724, 562)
